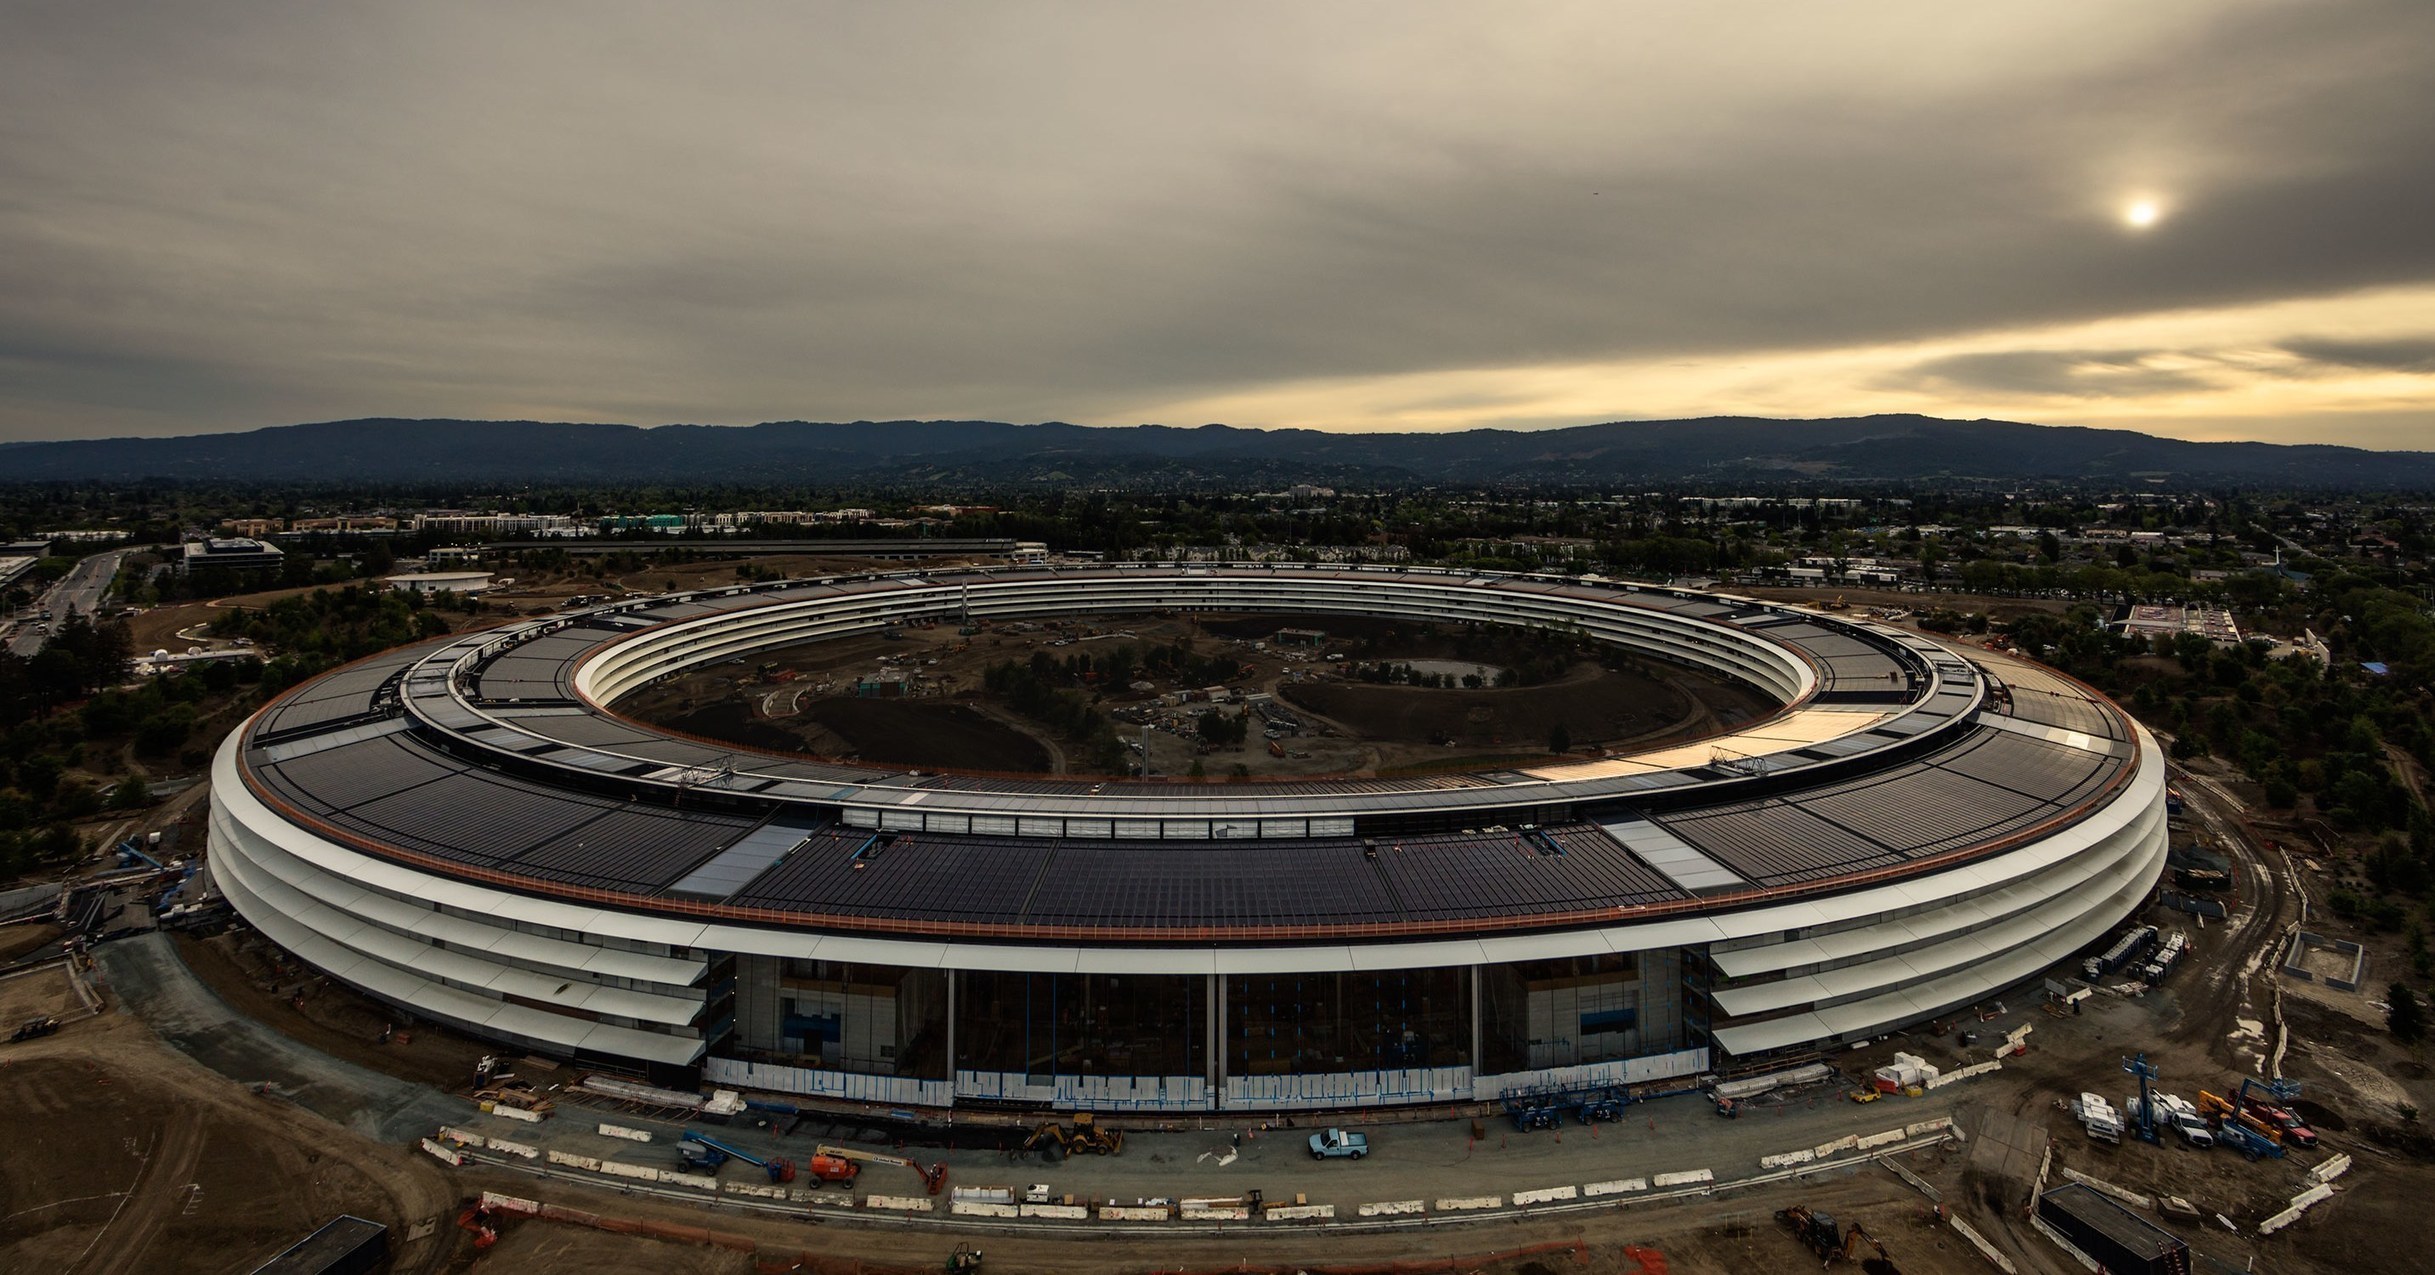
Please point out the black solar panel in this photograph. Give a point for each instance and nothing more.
(639, 847)
(351, 773)
(1257, 883)
(1776, 843)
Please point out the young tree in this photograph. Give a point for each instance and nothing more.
(2406, 1019)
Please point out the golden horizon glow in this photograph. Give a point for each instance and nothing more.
(2230, 372)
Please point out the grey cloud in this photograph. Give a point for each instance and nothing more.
(275, 214)
(2068, 373)
(2381, 356)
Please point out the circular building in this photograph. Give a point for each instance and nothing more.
(469, 829)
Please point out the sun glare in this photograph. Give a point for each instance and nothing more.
(2142, 214)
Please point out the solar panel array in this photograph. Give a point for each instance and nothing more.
(1775, 842)
(1256, 884)
(401, 790)
(341, 695)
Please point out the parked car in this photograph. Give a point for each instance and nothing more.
(1331, 1144)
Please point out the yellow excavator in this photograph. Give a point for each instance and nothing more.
(1085, 1135)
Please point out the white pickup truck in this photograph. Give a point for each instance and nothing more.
(1333, 1144)
(2175, 1114)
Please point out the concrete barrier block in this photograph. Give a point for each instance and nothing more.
(1875, 1140)
(1787, 1159)
(898, 1203)
(505, 1147)
(1132, 1213)
(462, 1138)
(2331, 1169)
(444, 1154)
(1994, 1256)
(1301, 1213)
(2313, 1195)
(573, 1161)
(511, 1113)
(2103, 1187)
(979, 1208)
(498, 1203)
(639, 1172)
(826, 1199)
(1844, 1143)
(759, 1190)
(1394, 1208)
(1688, 1177)
(1063, 1212)
(1471, 1203)
(1547, 1194)
(1217, 1215)
(698, 1181)
(1925, 1127)
(1618, 1186)
(2279, 1221)
(620, 1131)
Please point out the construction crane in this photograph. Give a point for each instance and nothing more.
(703, 1155)
(2145, 1126)
(2252, 1136)
(934, 1177)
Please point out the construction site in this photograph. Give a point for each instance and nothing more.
(168, 1131)
(2201, 1085)
(1309, 690)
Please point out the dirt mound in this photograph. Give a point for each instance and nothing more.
(1592, 704)
(923, 733)
(729, 720)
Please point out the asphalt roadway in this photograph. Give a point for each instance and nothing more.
(77, 593)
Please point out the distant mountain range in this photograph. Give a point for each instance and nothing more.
(1725, 449)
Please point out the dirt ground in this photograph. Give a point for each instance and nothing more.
(40, 993)
(1594, 705)
(251, 976)
(549, 1248)
(124, 1156)
(919, 733)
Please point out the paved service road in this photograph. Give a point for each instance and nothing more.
(77, 593)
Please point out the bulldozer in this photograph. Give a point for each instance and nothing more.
(1817, 1230)
(1086, 1135)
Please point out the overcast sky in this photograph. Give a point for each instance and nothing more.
(1347, 216)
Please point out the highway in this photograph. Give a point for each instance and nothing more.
(77, 593)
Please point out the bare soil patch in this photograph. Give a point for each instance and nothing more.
(1593, 704)
(124, 1159)
(312, 1010)
(917, 733)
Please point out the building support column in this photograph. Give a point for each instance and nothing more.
(1477, 972)
(1215, 1068)
(953, 977)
